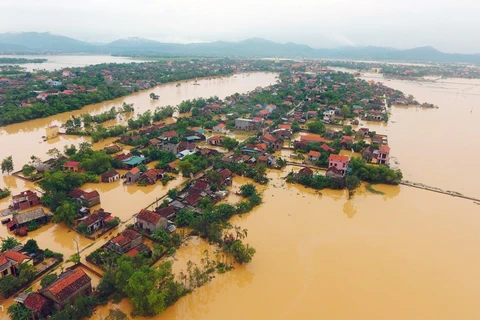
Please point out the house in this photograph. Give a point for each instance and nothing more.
(21, 220)
(169, 135)
(66, 73)
(272, 142)
(346, 141)
(71, 165)
(380, 139)
(132, 176)
(151, 176)
(150, 221)
(39, 306)
(154, 142)
(248, 124)
(311, 138)
(133, 161)
(304, 172)
(166, 212)
(313, 155)
(369, 153)
(170, 167)
(326, 148)
(85, 198)
(184, 153)
(192, 199)
(285, 126)
(25, 200)
(95, 221)
(220, 128)
(9, 262)
(51, 132)
(125, 241)
(338, 161)
(171, 147)
(185, 145)
(384, 155)
(226, 176)
(282, 133)
(110, 176)
(215, 141)
(199, 186)
(113, 148)
(333, 172)
(67, 287)
(364, 132)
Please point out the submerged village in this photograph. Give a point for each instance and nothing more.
(313, 118)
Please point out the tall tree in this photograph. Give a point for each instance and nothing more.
(7, 165)
(9, 243)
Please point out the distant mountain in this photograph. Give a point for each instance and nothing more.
(33, 42)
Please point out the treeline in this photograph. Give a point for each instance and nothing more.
(20, 60)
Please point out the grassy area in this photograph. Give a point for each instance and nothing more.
(370, 188)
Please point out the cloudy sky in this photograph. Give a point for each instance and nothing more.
(451, 26)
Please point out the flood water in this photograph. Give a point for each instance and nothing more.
(406, 254)
(57, 62)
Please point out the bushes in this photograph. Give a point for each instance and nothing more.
(52, 254)
(375, 173)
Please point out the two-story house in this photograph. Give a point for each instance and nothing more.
(339, 162)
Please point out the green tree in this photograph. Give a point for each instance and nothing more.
(352, 182)
(8, 285)
(9, 243)
(74, 258)
(70, 151)
(142, 289)
(66, 213)
(316, 127)
(345, 112)
(31, 246)
(7, 164)
(18, 311)
(248, 190)
(229, 143)
(27, 170)
(295, 126)
(172, 193)
(49, 278)
(242, 253)
(54, 153)
(184, 218)
(213, 177)
(261, 170)
(186, 168)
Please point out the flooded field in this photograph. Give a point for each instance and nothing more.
(402, 254)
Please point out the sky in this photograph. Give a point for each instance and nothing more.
(450, 26)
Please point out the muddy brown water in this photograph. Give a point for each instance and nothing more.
(406, 254)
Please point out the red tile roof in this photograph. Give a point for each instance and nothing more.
(134, 171)
(311, 138)
(16, 256)
(226, 173)
(132, 253)
(347, 139)
(3, 260)
(35, 302)
(269, 137)
(97, 215)
(285, 126)
(148, 216)
(170, 134)
(71, 164)
(68, 284)
(91, 195)
(166, 212)
(326, 147)
(193, 198)
(315, 154)
(337, 157)
(200, 185)
(384, 149)
(125, 237)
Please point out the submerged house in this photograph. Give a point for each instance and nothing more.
(150, 221)
(21, 220)
(96, 220)
(85, 198)
(25, 200)
(125, 241)
(132, 176)
(67, 287)
(110, 176)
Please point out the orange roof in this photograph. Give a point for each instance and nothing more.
(311, 138)
(221, 125)
(170, 134)
(133, 252)
(134, 170)
(148, 216)
(384, 149)
(315, 154)
(285, 126)
(3, 260)
(337, 157)
(16, 256)
(269, 137)
(68, 284)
